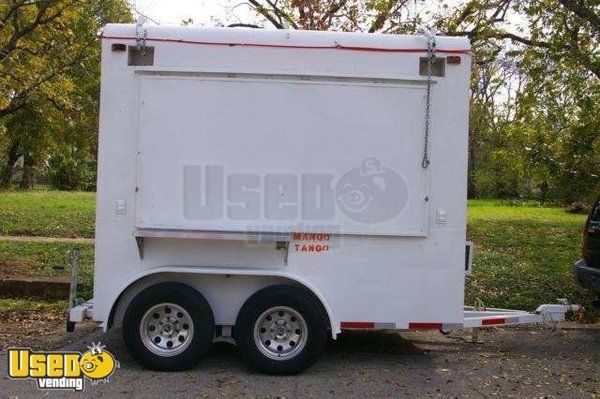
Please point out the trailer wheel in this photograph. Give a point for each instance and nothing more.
(168, 326)
(281, 330)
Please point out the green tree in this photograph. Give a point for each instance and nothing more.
(383, 16)
(49, 73)
(555, 126)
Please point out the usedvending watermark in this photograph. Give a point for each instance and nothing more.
(371, 193)
(62, 370)
(368, 193)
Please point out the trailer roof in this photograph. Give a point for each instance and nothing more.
(287, 38)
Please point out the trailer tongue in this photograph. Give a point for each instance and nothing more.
(506, 317)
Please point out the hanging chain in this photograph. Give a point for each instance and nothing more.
(431, 43)
(141, 35)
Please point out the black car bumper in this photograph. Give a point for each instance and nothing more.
(587, 277)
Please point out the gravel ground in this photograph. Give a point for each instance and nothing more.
(511, 362)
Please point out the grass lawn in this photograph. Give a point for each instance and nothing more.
(523, 254)
(21, 304)
(47, 213)
(46, 259)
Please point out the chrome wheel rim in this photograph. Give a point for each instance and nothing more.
(166, 329)
(280, 333)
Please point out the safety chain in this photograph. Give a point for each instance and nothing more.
(431, 43)
(140, 36)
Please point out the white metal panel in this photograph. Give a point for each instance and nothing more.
(272, 127)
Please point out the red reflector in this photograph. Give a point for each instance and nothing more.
(491, 322)
(357, 324)
(118, 47)
(424, 326)
(453, 59)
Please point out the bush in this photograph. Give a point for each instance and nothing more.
(64, 171)
(69, 171)
(578, 207)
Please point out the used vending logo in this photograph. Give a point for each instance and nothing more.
(368, 193)
(62, 370)
(371, 193)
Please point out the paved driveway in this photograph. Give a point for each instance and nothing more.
(536, 362)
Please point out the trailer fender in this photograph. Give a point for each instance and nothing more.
(149, 277)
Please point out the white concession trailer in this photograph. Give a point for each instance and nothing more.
(274, 187)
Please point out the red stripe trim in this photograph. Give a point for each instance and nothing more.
(338, 47)
(425, 326)
(358, 324)
(491, 322)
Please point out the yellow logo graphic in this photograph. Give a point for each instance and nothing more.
(62, 370)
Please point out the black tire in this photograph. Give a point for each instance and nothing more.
(192, 302)
(301, 301)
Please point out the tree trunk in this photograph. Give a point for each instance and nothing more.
(11, 157)
(544, 191)
(471, 187)
(27, 177)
